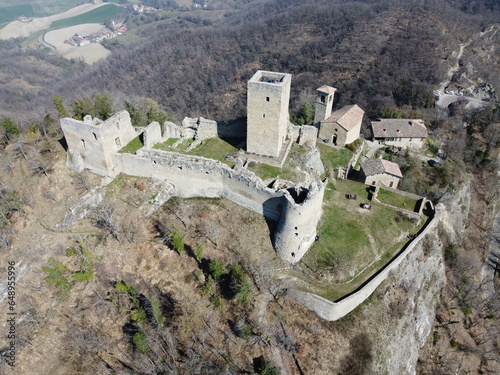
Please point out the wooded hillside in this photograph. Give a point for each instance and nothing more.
(377, 53)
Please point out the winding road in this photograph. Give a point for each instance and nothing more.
(444, 100)
(45, 44)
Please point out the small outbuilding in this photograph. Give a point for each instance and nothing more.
(343, 126)
(380, 172)
(399, 132)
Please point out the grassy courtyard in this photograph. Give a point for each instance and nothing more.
(333, 158)
(354, 242)
(212, 148)
(132, 146)
(397, 200)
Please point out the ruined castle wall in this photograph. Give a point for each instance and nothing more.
(206, 129)
(194, 176)
(171, 130)
(335, 310)
(92, 143)
(202, 128)
(152, 134)
(308, 135)
(297, 228)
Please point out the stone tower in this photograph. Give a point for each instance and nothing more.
(267, 112)
(296, 229)
(324, 104)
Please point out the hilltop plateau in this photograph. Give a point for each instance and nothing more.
(142, 284)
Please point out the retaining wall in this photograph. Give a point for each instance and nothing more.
(335, 310)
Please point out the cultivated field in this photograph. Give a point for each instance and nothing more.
(89, 53)
(17, 29)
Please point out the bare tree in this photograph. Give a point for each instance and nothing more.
(103, 217)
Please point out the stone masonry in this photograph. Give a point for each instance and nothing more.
(94, 144)
(267, 112)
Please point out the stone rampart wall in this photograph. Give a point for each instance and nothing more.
(308, 135)
(194, 176)
(335, 310)
(152, 134)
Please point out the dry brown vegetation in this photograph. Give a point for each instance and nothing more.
(133, 303)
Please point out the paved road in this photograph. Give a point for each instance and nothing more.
(45, 44)
(446, 99)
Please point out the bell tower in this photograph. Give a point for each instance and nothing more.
(323, 104)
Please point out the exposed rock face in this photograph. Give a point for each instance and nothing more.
(409, 298)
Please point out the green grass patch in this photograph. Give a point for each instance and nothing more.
(10, 13)
(340, 238)
(170, 141)
(212, 148)
(32, 39)
(334, 158)
(99, 15)
(54, 6)
(264, 171)
(132, 146)
(396, 200)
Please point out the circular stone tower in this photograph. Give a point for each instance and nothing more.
(300, 216)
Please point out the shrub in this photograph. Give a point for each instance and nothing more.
(177, 240)
(156, 312)
(239, 283)
(264, 367)
(56, 276)
(140, 341)
(216, 269)
(138, 315)
(10, 128)
(450, 253)
(354, 145)
(208, 286)
(126, 288)
(216, 302)
(198, 252)
(246, 332)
